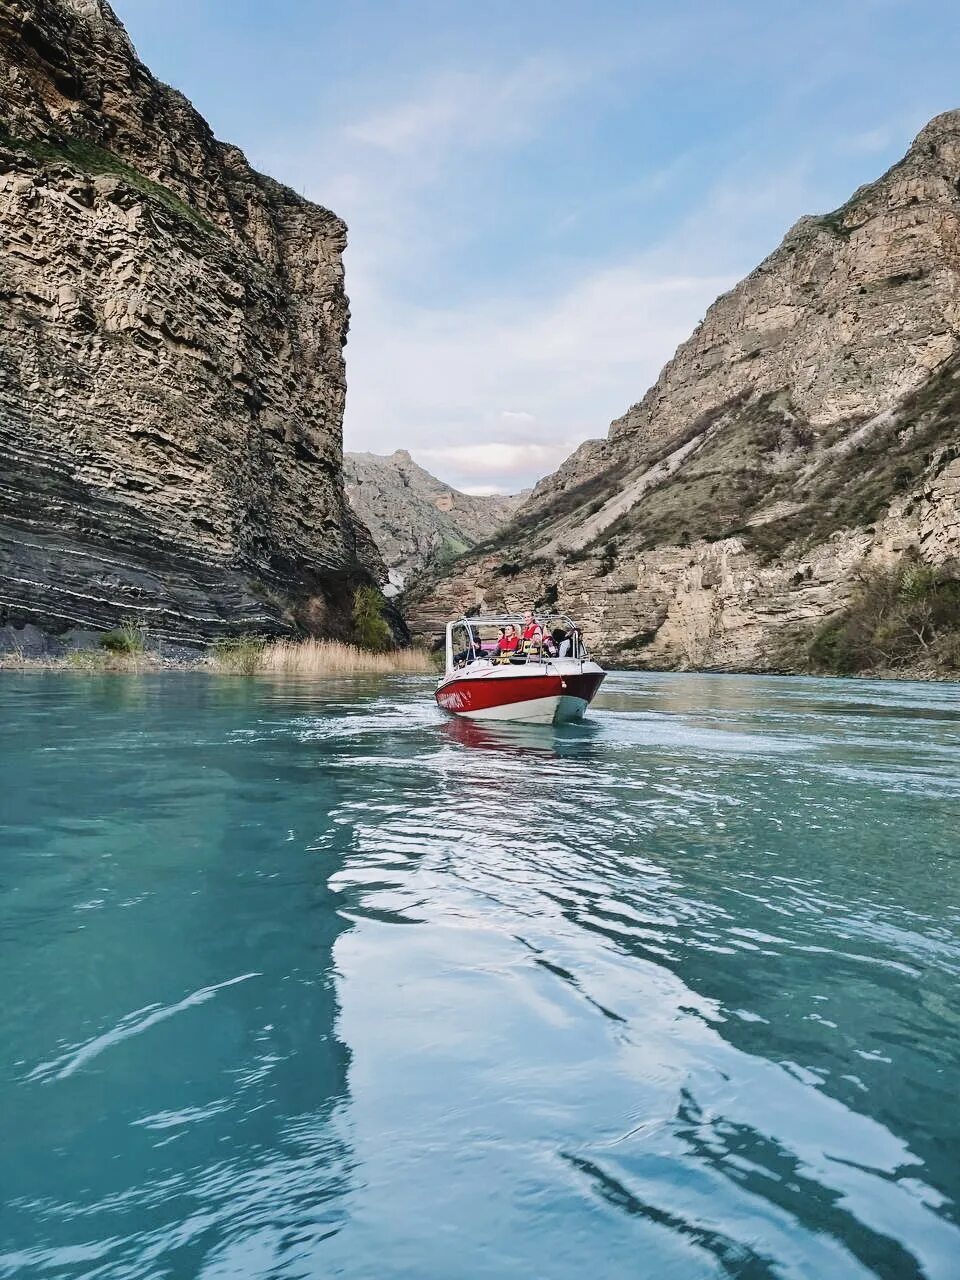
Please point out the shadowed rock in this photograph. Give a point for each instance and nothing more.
(171, 367)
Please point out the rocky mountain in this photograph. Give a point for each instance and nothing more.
(171, 365)
(416, 520)
(808, 430)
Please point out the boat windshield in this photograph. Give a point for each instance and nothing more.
(499, 638)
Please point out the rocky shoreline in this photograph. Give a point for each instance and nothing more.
(94, 659)
(246, 656)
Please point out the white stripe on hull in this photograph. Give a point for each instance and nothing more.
(553, 710)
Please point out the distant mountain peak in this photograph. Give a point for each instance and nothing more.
(416, 519)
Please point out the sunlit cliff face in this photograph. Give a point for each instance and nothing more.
(807, 430)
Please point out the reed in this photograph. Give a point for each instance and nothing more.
(129, 639)
(243, 656)
(332, 658)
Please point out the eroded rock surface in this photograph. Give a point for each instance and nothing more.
(171, 368)
(416, 520)
(810, 427)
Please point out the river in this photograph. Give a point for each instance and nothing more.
(308, 980)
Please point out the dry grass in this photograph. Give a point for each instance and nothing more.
(332, 658)
(245, 656)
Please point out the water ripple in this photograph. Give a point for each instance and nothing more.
(674, 989)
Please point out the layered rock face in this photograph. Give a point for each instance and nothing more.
(810, 427)
(171, 367)
(416, 520)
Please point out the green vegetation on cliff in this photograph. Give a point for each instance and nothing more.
(370, 628)
(96, 160)
(904, 617)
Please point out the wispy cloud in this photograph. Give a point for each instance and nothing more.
(469, 110)
(485, 490)
(496, 466)
(866, 142)
(390, 172)
(491, 381)
(442, 380)
(539, 370)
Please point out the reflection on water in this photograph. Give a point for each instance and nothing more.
(306, 979)
(510, 739)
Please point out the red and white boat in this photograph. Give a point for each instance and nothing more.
(529, 686)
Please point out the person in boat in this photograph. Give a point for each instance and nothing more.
(571, 643)
(558, 635)
(473, 650)
(531, 635)
(507, 644)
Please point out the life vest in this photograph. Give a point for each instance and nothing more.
(509, 644)
(532, 638)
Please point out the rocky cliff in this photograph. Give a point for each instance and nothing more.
(171, 368)
(416, 520)
(809, 428)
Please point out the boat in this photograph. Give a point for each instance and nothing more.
(528, 686)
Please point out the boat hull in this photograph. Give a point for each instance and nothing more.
(543, 697)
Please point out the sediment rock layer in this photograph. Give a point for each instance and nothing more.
(171, 368)
(808, 429)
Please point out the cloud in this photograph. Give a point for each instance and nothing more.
(469, 110)
(867, 142)
(438, 378)
(496, 383)
(390, 173)
(483, 490)
(495, 463)
(482, 459)
(534, 368)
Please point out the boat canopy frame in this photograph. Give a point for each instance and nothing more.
(471, 623)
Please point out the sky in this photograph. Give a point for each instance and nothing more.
(543, 198)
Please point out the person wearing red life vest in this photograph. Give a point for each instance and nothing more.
(508, 643)
(532, 633)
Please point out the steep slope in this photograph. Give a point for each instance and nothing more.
(807, 429)
(416, 519)
(171, 368)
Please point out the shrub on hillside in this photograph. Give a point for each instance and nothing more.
(370, 629)
(238, 655)
(905, 616)
(129, 638)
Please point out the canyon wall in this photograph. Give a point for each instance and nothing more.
(171, 358)
(808, 430)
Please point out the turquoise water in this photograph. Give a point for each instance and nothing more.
(306, 980)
